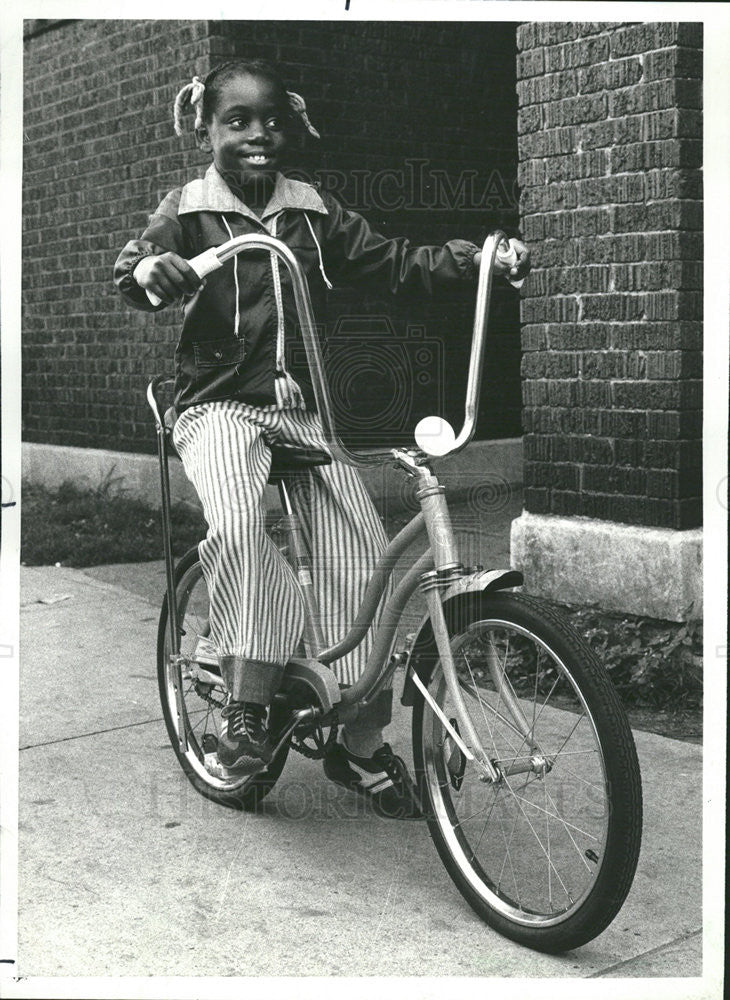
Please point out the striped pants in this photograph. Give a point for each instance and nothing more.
(256, 607)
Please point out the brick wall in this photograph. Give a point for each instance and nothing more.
(610, 147)
(100, 153)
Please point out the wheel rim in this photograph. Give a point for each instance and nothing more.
(531, 847)
(203, 716)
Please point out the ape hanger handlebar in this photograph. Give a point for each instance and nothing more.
(496, 246)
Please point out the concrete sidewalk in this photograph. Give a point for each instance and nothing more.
(125, 871)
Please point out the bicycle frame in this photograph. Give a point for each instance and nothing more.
(439, 572)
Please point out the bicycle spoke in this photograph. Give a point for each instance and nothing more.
(481, 706)
(568, 827)
(492, 709)
(540, 844)
(547, 838)
(554, 815)
(580, 719)
(484, 827)
(599, 786)
(508, 857)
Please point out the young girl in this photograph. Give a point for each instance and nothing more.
(235, 396)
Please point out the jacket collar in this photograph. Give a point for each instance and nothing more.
(212, 194)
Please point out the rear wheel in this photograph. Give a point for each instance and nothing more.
(203, 697)
(546, 855)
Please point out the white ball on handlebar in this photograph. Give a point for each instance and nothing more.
(435, 436)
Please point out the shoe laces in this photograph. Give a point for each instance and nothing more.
(393, 765)
(245, 719)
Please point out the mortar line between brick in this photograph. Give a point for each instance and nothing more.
(644, 954)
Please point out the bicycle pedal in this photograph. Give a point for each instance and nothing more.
(205, 652)
(214, 767)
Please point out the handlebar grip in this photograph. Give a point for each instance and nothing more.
(205, 263)
(508, 256)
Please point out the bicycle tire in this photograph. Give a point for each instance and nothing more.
(243, 792)
(601, 806)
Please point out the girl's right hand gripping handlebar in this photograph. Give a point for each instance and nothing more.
(203, 264)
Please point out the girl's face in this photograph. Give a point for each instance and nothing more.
(247, 131)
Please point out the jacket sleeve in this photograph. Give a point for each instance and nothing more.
(355, 252)
(163, 233)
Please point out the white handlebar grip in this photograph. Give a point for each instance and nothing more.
(206, 262)
(509, 257)
(203, 265)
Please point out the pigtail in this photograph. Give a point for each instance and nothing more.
(297, 104)
(192, 95)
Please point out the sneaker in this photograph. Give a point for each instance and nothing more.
(383, 779)
(244, 745)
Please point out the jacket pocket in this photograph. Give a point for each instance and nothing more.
(218, 353)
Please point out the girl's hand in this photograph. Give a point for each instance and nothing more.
(514, 272)
(521, 268)
(168, 276)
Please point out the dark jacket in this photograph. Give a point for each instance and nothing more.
(234, 341)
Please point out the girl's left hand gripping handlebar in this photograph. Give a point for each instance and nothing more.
(203, 265)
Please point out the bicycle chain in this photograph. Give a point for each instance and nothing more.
(207, 696)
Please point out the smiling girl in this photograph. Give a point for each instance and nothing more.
(236, 395)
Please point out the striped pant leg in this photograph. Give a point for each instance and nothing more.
(346, 538)
(347, 541)
(256, 611)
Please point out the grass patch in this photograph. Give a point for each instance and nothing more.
(90, 527)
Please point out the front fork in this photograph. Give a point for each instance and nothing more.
(448, 568)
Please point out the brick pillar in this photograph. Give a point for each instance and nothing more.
(610, 148)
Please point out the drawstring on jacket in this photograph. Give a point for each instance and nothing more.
(326, 280)
(319, 252)
(235, 278)
(293, 394)
(287, 391)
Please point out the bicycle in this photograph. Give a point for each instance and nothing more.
(525, 763)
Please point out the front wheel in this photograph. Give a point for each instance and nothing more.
(546, 855)
(203, 697)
